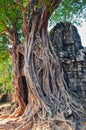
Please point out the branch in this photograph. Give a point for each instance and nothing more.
(51, 3)
(48, 8)
(6, 29)
(23, 9)
(55, 3)
(25, 27)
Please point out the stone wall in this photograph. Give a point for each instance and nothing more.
(72, 56)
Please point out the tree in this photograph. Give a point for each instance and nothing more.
(38, 81)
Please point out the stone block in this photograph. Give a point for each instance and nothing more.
(80, 75)
(83, 94)
(72, 86)
(84, 69)
(67, 68)
(79, 68)
(83, 87)
(71, 80)
(68, 62)
(81, 83)
(84, 76)
(70, 75)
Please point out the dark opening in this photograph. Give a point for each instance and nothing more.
(22, 79)
(25, 89)
(50, 81)
(21, 61)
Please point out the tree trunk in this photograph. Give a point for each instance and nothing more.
(38, 80)
(19, 81)
(48, 100)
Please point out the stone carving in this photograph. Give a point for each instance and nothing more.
(72, 56)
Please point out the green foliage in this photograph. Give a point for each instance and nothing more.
(5, 66)
(5, 75)
(10, 15)
(69, 11)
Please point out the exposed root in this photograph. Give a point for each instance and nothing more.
(28, 126)
(48, 125)
(16, 113)
(4, 116)
(38, 117)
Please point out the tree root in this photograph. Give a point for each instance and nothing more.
(35, 118)
(4, 116)
(18, 112)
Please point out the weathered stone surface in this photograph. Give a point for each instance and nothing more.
(72, 56)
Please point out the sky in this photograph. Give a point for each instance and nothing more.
(82, 33)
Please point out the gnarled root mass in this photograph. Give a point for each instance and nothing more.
(49, 105)
(37, 119)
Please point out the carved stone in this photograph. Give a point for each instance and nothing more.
(72, 56)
